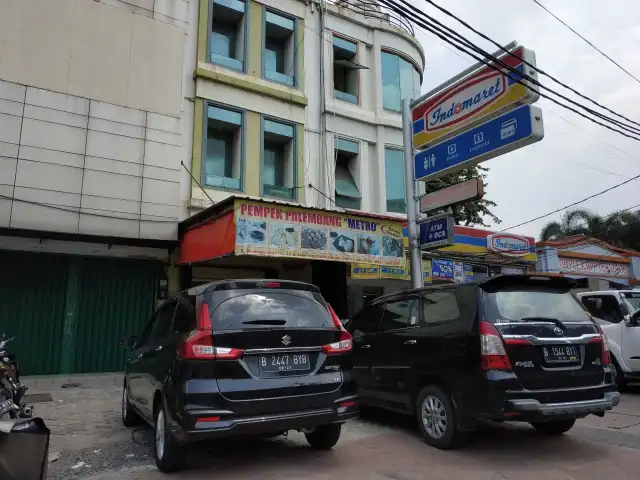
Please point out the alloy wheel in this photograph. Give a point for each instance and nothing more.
(434, 416)
(160, 435)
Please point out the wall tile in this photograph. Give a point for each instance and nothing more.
(9, 128)
(5, 204)
(57, 101)
(158, 173)
(115, 206)
(158, 191)
(114, 166)
(96, 225)
(116, 128)
(116, 147)
(48, 176)
(163, 155)
(111, 185)
(7, 170)
(116, 113)
(11, 108)
(164, 123)
(12, 91)
(51, 156)
(159, 231)
(150, 210)
(55, 116)
(8, 149)
(36, 133)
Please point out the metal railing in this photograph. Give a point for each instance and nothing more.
(372, 9)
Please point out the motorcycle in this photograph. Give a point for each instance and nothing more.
(11, 390)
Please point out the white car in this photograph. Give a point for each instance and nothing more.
(618, 314)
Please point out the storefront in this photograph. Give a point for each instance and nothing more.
(243, 238)
(596, 265)
(477, 254)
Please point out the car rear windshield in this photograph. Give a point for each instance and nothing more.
(265, 309)
(516, 304)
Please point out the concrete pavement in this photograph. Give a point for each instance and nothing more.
(91, 443)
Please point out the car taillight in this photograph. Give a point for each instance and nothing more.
(605, 356)
(345, 344)
(199, 343)
(494, 356)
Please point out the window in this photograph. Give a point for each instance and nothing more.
(604, 307)
(345, 70)
(279, 48)
(400, 79)
(400, 314)
(632, 300)
(394, 179)
(346, 189)
(162, 328)
(439, 306)
(515, 303)
(223, 149)
(278, 158)
(366, 321)
(226, 40)
(184, 320)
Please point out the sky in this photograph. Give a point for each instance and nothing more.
(576, 158)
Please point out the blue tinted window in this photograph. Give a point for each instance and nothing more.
(400, 79)
(226, 39)
(394, 179)
(222, 162)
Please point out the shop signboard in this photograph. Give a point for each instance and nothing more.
(461, 192)
(437, 232)
(458, 272)
(508, 244)
(442, 269)
(510, 131)
(274, 230)
(426, 270)
(468, 272)
(478, 95)
(594, 267)
(364, 271)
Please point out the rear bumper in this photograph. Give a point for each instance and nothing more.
(577, 408)
(265, 424)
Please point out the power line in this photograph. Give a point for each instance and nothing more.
(586, 41)
(491, 61)
(539, 70)
(574, 203)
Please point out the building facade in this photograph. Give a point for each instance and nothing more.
(597, 265)
(96, 115)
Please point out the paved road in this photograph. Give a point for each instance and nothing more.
(90, 443)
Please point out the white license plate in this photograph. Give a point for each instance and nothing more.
(284, 363)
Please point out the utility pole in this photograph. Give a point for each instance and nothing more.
(415, 255)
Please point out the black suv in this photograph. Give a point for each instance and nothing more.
(241, 357)
(514, 347)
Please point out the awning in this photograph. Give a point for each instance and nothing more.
(242, 226)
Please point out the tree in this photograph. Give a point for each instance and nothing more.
(471, 213)
(621, 228)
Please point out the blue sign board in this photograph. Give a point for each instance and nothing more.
(442, 269)
(438, 232)
(515, 129)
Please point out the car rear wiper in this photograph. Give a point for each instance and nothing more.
(265, 322)
(544, 319)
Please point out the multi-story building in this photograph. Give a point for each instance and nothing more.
(300, 101)
(96, 115)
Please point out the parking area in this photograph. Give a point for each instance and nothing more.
(88, 441)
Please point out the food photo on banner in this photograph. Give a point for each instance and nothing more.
(283, 231)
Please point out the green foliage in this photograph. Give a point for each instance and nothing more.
(471, 213)
(621, 228)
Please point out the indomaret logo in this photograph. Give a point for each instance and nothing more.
(470, 97)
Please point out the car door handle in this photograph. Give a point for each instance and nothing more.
(365, 346)
(158, 348)
(410, 342)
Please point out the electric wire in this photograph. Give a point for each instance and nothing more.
(586, 41)
(497, 64)
(539, 70)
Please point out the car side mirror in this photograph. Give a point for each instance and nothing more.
(634, 319)
(129, 341)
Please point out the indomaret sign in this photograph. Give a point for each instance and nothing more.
(480, 95)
